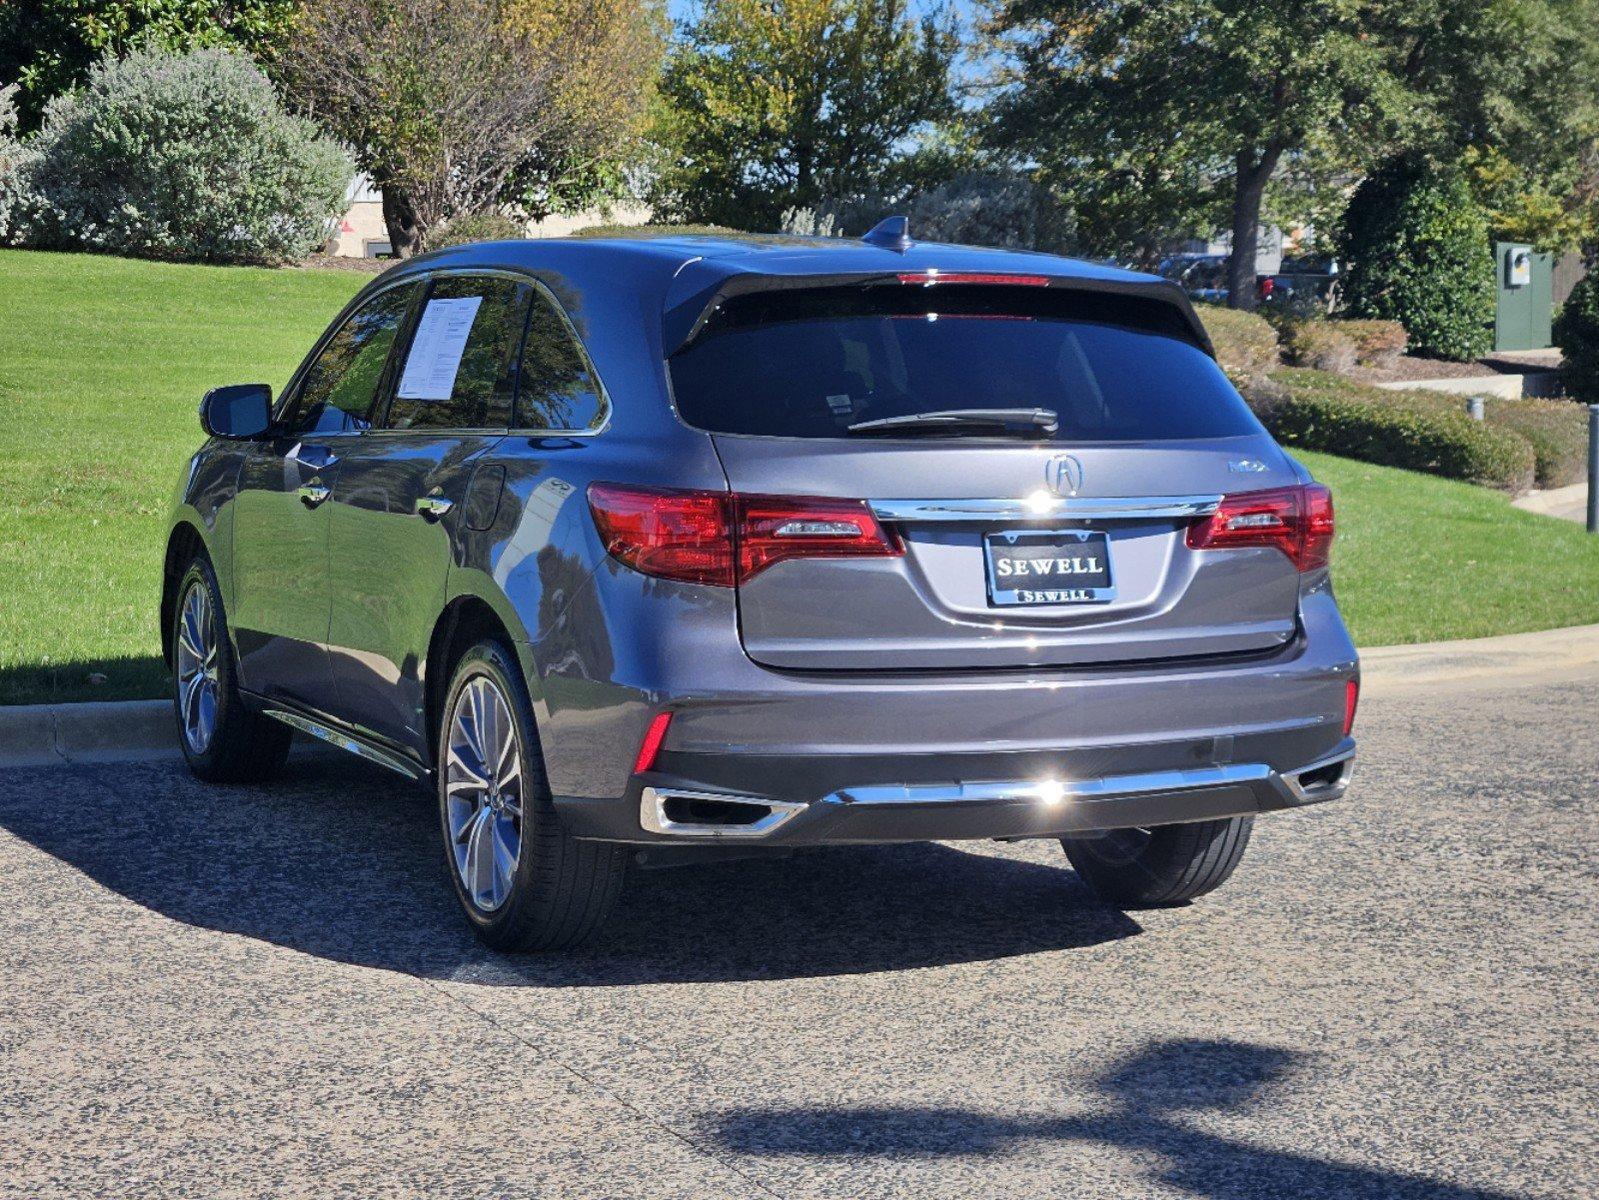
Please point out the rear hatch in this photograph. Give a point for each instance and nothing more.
(1003, 544)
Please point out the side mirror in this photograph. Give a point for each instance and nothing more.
(239, 412)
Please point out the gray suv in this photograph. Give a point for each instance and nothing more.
(658, 550)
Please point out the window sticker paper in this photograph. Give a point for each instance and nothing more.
(436, 350)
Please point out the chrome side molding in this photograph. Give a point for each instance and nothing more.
(1043, 507)
(345, 741)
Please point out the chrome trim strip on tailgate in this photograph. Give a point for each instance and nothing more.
(1044, 508)
(1054, 791)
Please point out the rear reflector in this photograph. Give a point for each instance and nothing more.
(722, 539)
(1351, 702)
(650, 748)
(930, 277)
(1296, 520)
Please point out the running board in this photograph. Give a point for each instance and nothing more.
(348, 741)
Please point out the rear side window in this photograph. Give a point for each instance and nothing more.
(557, 390)
(342, 384)
(812, 362)
(460, 369)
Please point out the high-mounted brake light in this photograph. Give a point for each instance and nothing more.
(932, 277)
(722, 538)
(1296, 520)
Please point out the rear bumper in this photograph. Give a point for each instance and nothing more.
(863, 757)
(660, 810)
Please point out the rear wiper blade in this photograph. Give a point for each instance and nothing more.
(1042, 420)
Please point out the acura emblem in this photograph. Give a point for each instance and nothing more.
(1064, 475)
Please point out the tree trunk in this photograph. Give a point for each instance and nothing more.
(401, 220)
(1249, 189)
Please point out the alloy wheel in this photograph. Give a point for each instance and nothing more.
(483, 793)
(198, 685)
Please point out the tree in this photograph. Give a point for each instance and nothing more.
(48, 46)
(1185, 108)
(771, 105)
(455, 106)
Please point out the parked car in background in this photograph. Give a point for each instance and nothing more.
(1202, 276)
(1307, 283)
(668, 548)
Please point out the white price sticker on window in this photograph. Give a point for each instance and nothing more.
(436, 350)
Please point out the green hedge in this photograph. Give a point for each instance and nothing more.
(1246, 345)
(1318, 411)
(1557, 430)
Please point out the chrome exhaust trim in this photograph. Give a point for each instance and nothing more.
(653, 815)
(1325, 779)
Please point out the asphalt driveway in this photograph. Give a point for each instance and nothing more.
(266, 991)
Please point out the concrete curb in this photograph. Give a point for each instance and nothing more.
(1548, 656)
(35, 735)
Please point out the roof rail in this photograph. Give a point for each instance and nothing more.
(891, 233)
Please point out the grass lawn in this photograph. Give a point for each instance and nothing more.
(102, 365)
(103, 362)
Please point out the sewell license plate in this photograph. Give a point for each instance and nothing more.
(1048, 566)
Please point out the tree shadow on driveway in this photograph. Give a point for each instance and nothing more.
(342, 860)
(1140, 1104)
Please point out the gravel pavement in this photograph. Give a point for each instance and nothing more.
(266, 991)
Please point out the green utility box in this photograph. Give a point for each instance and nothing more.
(1525, 290)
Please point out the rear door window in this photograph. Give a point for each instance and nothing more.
(460, 368)
(810, 363)
(557, 391)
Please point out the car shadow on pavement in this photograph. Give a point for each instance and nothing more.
(341, 860)
(1141, 1103)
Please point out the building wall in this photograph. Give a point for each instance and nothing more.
(361, 233)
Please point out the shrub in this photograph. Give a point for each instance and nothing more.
(1395, 429)
(1557, 430)
(1577, 334)
(12, 156)
(1415, 242)
(488, 226)
(1377, 343)
(181, 156)
(1246, 346)
(1321, 345)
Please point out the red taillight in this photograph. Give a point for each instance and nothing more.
(650, 748)
(670, 534)
(1296, 520)
(722, 539)
(773, 529)
(1351, 702)
(974, 277)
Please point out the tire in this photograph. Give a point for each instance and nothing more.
(554, 891)
(1169, 864)
(228, 743)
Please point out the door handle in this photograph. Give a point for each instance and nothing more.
(433, 508)
(313, 494)
(318, 458)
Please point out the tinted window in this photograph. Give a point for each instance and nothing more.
(556, 390)
(460, 369)
(341, 385)
(811, 363)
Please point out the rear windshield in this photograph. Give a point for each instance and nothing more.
(810, 363)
